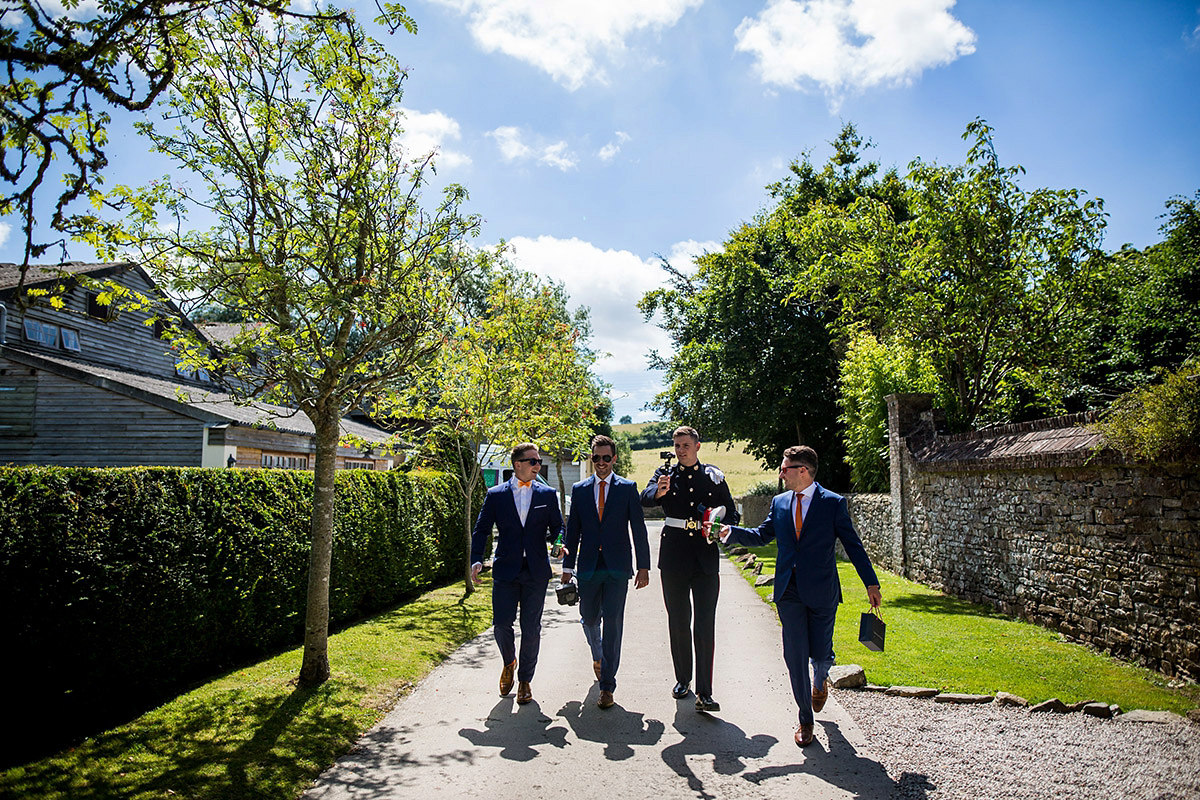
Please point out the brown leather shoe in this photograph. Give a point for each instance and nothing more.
(606, 699)
(804, 735)
(820, 696)
(506, 677)
(524, 692)
(596, 669)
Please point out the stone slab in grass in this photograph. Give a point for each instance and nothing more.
(911, 691)
(1152, 717)
(1052, 705)
(847, 676)
(1006, 699)
(963, 699)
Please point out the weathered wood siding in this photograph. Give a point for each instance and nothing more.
(125, 341)
(81, 425)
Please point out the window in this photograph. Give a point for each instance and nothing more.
(184, 371)
(360, 464)
(98, 310)
(70, 340)
(273, 461)
(43, 333)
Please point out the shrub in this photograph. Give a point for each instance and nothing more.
(1160, 422)
(129, 583)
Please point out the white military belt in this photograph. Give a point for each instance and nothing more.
(686, 524)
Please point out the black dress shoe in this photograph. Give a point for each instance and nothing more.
(680, 691)
(704, 702)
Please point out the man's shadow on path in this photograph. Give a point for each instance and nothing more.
(518, 735)
(853, 773)
(619, 730)
(705, 735)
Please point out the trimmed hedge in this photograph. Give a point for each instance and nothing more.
(134, 582)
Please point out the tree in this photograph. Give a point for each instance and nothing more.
(870, 371)
(515, 372)
(753, 359)
(288, 136)
(626, 420)
(992, 282)
(69, 66)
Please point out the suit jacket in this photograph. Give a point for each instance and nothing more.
(516, 542)
(812, 559)
(587, 533)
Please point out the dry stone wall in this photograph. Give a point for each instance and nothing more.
(1036, 521)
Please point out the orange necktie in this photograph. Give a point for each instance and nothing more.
(600, 505)
(799, 513)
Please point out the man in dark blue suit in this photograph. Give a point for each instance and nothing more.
(525, 513)
(805, 522)
(605, 510)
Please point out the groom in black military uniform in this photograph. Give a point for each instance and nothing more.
(689, 562)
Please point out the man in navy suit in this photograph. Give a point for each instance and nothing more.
(805, 522)
(525, 513)
(605, 509)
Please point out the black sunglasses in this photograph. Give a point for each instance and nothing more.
(536, 461)
(792, 466)
(598, 457)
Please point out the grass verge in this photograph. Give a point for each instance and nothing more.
(741, 469)
(938, 641)
(252, 733)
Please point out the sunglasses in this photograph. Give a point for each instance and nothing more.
(793, 466)
(534, 461)
(598, 457)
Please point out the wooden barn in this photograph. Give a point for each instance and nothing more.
(82, 386)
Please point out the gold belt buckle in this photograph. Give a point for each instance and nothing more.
(691, 525)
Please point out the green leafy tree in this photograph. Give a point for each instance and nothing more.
(754, 360)
(517, 371)
(1150, 321)
(286, 135)
(626, 420)
(993, 282)
(69, 66)
(870, 371)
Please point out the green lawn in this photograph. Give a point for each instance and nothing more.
(741, 470)
(252, 733)
(937, 641)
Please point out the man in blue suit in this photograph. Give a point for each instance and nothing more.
(605, 509)
(525, 513)
(805, 522)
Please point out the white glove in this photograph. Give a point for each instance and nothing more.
(714, 474)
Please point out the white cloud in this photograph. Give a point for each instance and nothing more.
(847, 45)
(684, 254)
(571, 40)
(508, 139)
(557, 155)
(610, 150)
(610, 283)
(425, 133)
(5, 230)
(513, 147)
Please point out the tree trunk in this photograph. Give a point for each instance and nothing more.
(315, 668)
(562, 486)
(468, 523)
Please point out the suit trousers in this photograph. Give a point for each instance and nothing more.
(602, 608)
(680, 591)
(807, 635)
(529, 595)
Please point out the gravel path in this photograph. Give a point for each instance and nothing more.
(940, 751)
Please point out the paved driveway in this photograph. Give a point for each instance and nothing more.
(454, 736)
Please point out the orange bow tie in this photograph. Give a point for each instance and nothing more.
(524, 484)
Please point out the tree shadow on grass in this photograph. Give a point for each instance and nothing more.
(942, 604)
(240, 746)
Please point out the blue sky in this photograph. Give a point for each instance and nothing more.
(595, 136)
